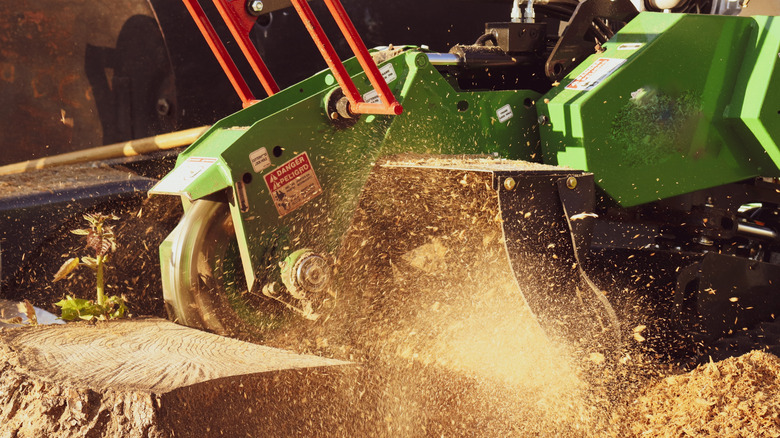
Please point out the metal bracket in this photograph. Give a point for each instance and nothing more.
(536, 227)
(578, 200)
(574, 46)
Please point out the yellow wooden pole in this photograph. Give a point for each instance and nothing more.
(130, 148)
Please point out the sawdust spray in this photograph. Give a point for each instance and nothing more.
(436, 315)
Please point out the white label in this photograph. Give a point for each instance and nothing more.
(260, 160)
(181, 177)
(388, 72)
(630, 46)
(504, 113)
(597, 72)
(372, 97)
(293, 184)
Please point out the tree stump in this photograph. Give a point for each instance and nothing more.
(154, 378)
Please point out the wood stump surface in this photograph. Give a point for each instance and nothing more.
(151, 377)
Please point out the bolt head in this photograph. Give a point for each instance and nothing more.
(510, 183)
(571, 182)
(256, 5)
(313, 273)
(270, 289)
(163, 107)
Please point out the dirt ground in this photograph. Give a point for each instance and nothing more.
(543, 396)
(484, 368)
(133, 270)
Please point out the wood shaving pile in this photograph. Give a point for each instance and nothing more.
(736, 397)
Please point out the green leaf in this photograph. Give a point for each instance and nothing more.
(100, 238)
(66, 268)
(75, 308)
(116, 307)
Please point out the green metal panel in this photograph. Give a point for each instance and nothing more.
(756, 102)
(437, 119)
(662, 123)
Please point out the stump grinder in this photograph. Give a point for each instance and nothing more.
(598, 161)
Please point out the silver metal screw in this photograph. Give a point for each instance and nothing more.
(256, 5)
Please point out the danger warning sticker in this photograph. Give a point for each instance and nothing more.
(597, 72)
(293, 184)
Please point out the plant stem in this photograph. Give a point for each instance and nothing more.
(101, 294)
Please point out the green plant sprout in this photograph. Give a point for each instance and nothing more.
(101, 239)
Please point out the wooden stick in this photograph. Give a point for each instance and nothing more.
(130, 148)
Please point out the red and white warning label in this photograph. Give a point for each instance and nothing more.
(293, 184)
(597, 72)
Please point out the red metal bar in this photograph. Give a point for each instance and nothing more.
(389, 104)
(326, 49)
(240, 24)
(224, 59)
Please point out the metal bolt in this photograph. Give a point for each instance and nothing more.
(571, 182)
(421, 60)
(542, 119)
(256, 5)
(163, 106)
(312, 272)
(510, 183)
(270, 289)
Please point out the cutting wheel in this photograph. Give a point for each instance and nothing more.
(204, 283)
(204, 271)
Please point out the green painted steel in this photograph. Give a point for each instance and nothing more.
(692, 103)
(755, 105)
(437, 119)
(674, 104)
